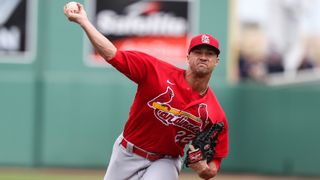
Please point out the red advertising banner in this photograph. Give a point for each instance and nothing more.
(157, 27)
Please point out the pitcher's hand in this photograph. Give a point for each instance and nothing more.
(76, 15)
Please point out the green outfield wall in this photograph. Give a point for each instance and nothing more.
(57, 111)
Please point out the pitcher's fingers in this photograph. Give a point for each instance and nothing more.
(65, 9)
(80, 6)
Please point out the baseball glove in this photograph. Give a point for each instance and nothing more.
(204, 144)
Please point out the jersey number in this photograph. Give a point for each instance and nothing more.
(183, 138)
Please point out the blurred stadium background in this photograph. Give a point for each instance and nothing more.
(61, 110)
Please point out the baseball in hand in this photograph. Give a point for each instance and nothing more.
(72, 6)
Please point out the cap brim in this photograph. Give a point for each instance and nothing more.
(207, 45)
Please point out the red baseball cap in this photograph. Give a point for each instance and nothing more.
(202, 39)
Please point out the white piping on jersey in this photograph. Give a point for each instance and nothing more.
(170, 82)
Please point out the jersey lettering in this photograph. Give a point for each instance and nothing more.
(169, 115)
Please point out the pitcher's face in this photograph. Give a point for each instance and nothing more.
(202, 60)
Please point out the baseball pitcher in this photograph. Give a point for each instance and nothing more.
(172, 108)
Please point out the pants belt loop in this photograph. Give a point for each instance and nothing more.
(129, 146)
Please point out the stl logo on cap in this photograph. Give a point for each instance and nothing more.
(205, 39)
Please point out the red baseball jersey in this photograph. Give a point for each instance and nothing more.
(166, 113)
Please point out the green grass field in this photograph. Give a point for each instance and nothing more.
(92, 174)
(50, 174)
(31, 176)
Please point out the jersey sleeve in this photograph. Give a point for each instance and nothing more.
(217, 162)
(134, 64)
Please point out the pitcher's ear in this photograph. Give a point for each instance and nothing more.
(187, 60)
